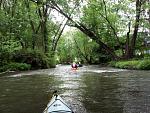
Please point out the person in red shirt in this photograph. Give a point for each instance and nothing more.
(74, 65)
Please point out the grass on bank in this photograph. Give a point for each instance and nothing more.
(14, 66)
(143, 64)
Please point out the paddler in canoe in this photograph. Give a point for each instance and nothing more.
(74, 66)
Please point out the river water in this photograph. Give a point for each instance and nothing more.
(90, 89)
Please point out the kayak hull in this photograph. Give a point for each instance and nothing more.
(57, 105)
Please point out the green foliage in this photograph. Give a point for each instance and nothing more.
(51, 60)
(147, 56)
(65, 50)
(103, 22)
(5, 58)
(133, 64)
(37, 59)
(144, 64)
(21, 28)
(127, 64)
(24, 60)
(112, 63)
(76, 45)
(15, 67)
(24, 25)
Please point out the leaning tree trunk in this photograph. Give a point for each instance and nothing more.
(87, 32)
(57, 37)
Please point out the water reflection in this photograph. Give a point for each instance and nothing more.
(90, 89)
(27, 94)
(136, 90)
(101, 94)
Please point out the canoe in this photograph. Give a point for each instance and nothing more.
(74, 68)
(57, 105)
(79, 65)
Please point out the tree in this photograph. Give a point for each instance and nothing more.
(26, 26)
(85, 48)
(131, 49)
(129, 53)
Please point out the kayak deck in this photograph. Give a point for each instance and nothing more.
(57, 105)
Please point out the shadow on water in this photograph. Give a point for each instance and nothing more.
(101, 94)
(26, 94)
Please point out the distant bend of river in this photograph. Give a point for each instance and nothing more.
(90, 89)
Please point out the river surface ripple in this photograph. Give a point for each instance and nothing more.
(90, 89)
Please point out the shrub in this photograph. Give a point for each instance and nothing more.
(133, 64)
(37, 59)
(50, 59)
(15, 67)
(5, 57)
(144, 64)
(112, 63)
(147, 56)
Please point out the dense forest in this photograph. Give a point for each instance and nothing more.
(33, 35)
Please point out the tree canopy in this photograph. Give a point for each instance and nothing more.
(116, 29)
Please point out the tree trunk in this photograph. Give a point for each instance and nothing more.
(95, 38)
(130, 43)
(57, 37)
(87, 32)
(43, 20)
(45, 38)
(45, 10)
(149, 15)
(126, 55)
(134, 36)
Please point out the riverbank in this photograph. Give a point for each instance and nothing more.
(142, 64)
(23, 60)
(7, 73)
